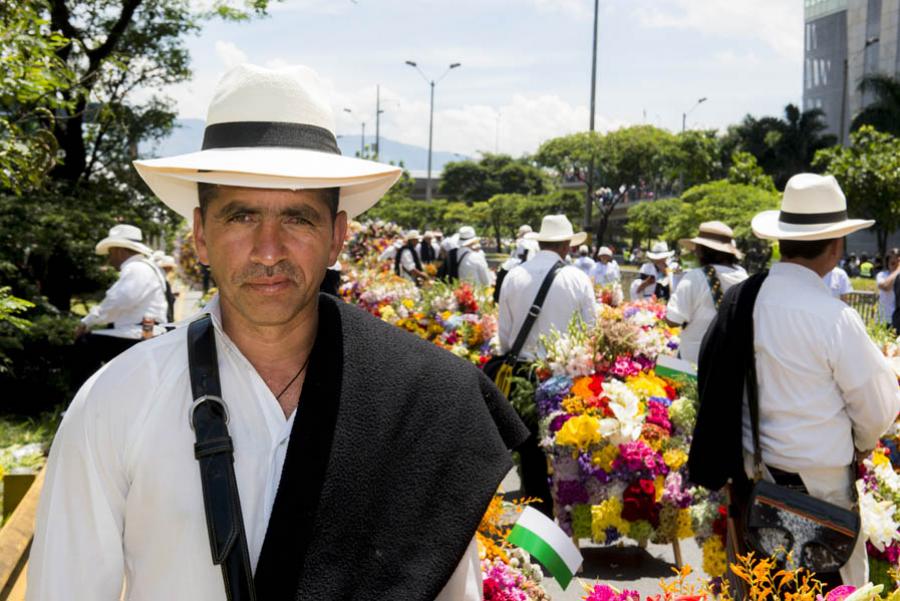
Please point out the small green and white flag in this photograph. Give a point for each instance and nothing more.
(672, 367)
(548, 543)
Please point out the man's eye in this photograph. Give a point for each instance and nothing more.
(241, 218)
(297, 220)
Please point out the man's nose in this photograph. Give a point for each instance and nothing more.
(268, 243)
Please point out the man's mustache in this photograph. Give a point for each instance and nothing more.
(256, 271)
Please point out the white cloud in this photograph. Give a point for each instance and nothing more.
(230, 54)
(573, 8)
(777, 23)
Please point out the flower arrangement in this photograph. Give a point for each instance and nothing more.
(616, 434)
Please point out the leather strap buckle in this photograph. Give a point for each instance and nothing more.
(535, 310)
(203, 399)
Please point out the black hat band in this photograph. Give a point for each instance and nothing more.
(250, 134)
(812, 218)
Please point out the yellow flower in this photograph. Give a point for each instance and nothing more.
(879, 458)
(715, 560)
(387, 313)
(607, 514)
(573, 405)
(647, 385)
(580, 431)
(604, 457)
(659, 483)
(675, 458)
(408, 303)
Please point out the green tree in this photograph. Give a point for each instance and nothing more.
(475, 181)
(745, 170)
(884, 113)
(649, 220)
(732, 204)
(503, 215)
(869, 174)
(696, 158)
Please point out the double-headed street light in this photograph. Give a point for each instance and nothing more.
(431, 82)
(684, 115)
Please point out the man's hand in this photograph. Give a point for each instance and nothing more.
(862, 455)
(648, 282)
(81, 330)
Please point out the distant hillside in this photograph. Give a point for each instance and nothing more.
(188, 135)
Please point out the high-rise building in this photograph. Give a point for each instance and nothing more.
(845, 40)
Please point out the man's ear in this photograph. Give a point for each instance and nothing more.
(200, 237)
(338, 236)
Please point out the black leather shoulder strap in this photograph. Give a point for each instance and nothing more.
(215, 454)
(533, 313)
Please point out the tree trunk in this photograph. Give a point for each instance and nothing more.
(882, 236)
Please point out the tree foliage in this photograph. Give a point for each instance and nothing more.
(649, 220)
(869, 174)
(884, 113)
(745, 170)
(475, 181)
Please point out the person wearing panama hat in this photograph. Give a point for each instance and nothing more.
(471, 263)
(825, 392)
(695, 301)
(407, 263)
(654, 272)
(138, 293)
(319, 413)
(571, 293)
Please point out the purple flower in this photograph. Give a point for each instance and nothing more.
(557, 422)
(571, 492)
(674, 492)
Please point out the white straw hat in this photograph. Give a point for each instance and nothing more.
(715, 235)
(604, 251)
(659, 250)
(813, 208)
(268, 128)
(123, 236)
(412, 235)
(557, 228)
(523, 229)
(467, 236)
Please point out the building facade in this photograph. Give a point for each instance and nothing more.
(845, 40)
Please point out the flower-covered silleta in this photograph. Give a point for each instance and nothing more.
(617, 435)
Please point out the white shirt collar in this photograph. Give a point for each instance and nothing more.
(803, 275)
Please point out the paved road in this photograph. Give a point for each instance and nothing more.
(623, 566)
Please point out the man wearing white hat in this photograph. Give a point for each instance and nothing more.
(824, 392)
(524, 250)
(570, 294)
(694, 302)
(138, 293)
(605, 270)
(473, 266)
(283, 445)
(584, 262)
(655, 280)
(407, 263)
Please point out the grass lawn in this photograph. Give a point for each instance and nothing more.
(864, 284)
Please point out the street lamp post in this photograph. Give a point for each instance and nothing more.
(431, 83)
(589, 200)
(378, 112)
(685, 114)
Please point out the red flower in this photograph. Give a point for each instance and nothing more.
(670, 392)
(638, 502)
(596, 384)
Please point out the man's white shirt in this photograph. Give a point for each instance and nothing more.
(692, 304)
(886, 299)
(605, 273)
(122, 495)
(838, 282)
(823, 385)
(585, 264)
(407, 263)
(139, 291)
(570, 294)
(473, 267)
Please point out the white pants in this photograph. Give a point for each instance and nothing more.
(834, 485)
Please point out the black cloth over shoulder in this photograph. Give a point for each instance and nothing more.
(397, 449)
(398, 266)
(717, 453)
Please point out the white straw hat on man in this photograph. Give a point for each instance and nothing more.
(123, 236)
(813, 208)
(659, 250)
(557, 228)
(268, 128)
(467, 236)
(715, 235)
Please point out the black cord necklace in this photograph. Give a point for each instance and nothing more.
(294, 379)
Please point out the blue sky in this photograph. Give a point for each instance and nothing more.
(527, 61)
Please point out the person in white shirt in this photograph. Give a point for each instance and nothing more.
(643, 287)
(605, 270)
(826, 394)
(695, 301)
(139, 293)
(584, 262)
(885, 279)
(309, 396)
(390, 253)
(472, 263)
(571, 294)
(427, 249)
(655, 280)
(407, 263)
(838, 282)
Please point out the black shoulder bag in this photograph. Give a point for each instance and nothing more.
(782, 520)
(500, 368)
(215, 454)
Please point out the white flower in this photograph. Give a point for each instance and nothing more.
(878, 523)
(867, 592)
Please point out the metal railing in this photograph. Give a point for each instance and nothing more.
(865, 303)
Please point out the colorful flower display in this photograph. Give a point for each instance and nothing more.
(617, 435)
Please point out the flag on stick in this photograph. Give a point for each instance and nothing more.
(671, 367)
(546, 542)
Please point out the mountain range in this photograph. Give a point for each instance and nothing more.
(188, 135)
